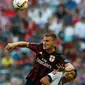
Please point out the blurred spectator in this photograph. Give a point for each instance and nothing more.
(54, 2)
(76, 17)
(83, 57)
(79, 28)
(82, 12)
(16, 24)
(42, 20)
(7, 81)
(2, 5)
(70, 51)
(16, 81)
(32, 13)
(61, 12)
(67, 19)
(47, 12)
(71, 4)
(81, 45)
(43, 2)
(30, 31)
(7, 61)
(17, 76)
(8, 4)
(15, 37)
(2, 37)
(78, 1)
(81, 5)
(55, 25)
(4, 21)
(69, 33)
(32, 2)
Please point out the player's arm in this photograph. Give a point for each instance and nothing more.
(45, 80)
(11, 46)
(65, 68)
(33, 46)
(66, 64)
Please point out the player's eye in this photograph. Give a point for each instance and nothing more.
(46, 40)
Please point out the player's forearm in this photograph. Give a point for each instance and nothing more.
(21, 44)
(69, 67)
(45, 81)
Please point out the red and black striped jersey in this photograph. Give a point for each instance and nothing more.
(45, 62)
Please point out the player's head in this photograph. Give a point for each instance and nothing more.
(49, 40)
(71, 75)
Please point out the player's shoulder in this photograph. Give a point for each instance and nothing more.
(40, 46)
(58, 52)
(37, 44)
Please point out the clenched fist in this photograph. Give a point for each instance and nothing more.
(10, 46)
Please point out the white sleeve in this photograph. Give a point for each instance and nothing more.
(55, 75)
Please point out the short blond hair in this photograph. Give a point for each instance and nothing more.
(54, 37)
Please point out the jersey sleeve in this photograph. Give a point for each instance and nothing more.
(35, 47)
(64, 59)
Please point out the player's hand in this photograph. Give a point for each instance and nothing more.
(60, 67)
(10, 46)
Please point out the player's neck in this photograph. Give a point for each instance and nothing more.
(51, 50)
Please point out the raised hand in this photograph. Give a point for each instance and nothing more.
(60, 67)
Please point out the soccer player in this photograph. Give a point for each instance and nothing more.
(47, 57)
(58, 78)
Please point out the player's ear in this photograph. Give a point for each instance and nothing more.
(54, 44)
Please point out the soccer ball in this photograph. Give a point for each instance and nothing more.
(20, 4)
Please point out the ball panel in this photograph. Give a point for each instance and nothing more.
(20, 4)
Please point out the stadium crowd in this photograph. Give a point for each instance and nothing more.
(66, 18)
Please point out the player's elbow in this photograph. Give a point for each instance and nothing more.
(45, 81)
(42, 81)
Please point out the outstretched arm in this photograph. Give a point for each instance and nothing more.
(11, 46)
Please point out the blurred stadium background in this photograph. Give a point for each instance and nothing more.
(66, 18)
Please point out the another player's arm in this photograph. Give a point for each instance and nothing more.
(45, 80)
(11, 46)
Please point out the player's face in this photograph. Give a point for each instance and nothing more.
(70, 75)
(48, 42)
